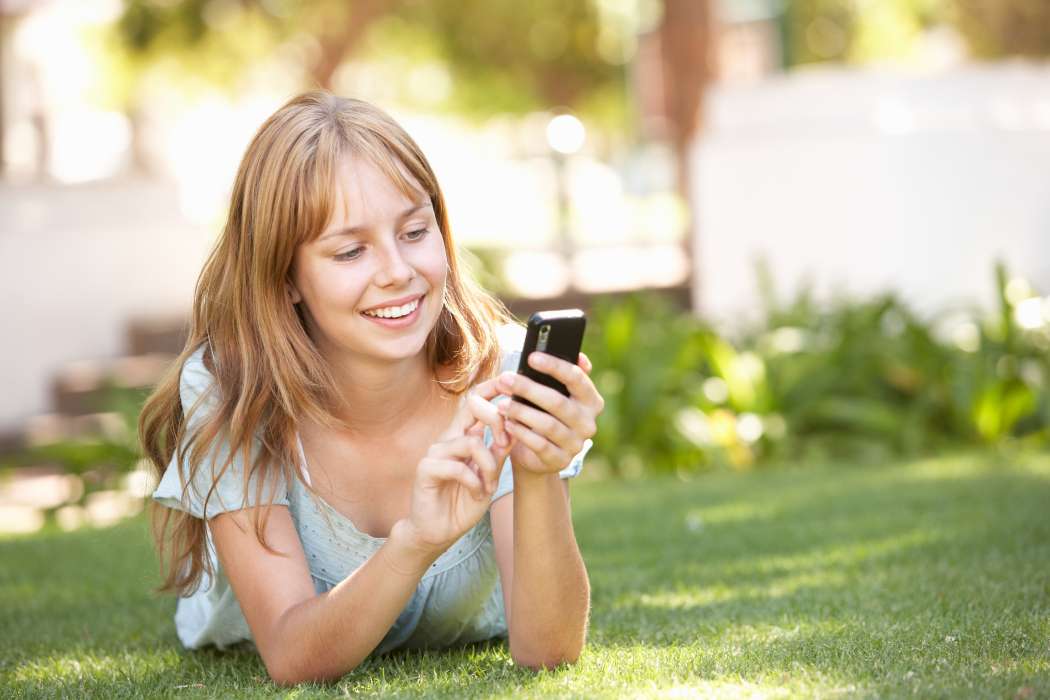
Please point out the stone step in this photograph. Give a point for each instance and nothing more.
(48, 428)
(156, 334)
(79, 388)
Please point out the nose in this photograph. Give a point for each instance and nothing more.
(394, 270)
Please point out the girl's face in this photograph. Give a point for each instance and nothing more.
(381, 253)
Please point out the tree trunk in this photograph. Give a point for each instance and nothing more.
(337, 42)
(687, 36)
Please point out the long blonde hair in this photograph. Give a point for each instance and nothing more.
(267, 370)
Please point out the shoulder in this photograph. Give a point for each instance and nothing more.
(195, 379)
(194, 365)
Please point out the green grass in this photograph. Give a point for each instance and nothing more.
(926, 579)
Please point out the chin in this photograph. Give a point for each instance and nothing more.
(401, 346)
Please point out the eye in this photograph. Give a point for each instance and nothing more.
(353, 254)
(416, 235)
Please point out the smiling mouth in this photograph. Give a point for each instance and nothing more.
(395, 312)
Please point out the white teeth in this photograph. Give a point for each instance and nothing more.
(395, 311)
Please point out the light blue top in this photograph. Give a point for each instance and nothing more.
(459, 600)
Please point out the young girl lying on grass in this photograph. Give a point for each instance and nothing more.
(345, 448)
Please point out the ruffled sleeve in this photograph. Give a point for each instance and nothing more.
(195, 382)
(512, 337)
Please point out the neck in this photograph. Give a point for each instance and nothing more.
(382, 398)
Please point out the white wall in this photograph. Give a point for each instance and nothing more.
(872, 180)
(76, 262)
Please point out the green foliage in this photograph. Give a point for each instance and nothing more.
(645, 358)
(486, 264)
(502, 56)
(544, 52)
(849, 31)
(859, 379)
(191, 43)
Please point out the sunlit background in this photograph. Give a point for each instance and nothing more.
(758, 165)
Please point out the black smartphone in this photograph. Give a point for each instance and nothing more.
(558, 333)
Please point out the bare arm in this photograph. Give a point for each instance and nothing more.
(548, 599)
(545, 586)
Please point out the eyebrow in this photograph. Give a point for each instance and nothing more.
(350, 230)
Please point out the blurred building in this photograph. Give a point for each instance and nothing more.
(864, 180)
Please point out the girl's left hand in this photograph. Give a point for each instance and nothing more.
(546, 442)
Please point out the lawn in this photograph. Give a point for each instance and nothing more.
(927, 579)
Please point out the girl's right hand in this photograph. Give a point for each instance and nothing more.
(457, 477)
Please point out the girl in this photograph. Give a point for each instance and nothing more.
(336, 456)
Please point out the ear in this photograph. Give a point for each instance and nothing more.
(293, 294)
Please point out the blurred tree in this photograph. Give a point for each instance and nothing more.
(848, 31)
(524, 55)
(687, 53)
(995, 28)
(547, 52)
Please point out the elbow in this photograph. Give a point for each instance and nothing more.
(539, 659)
(283, 673)
(547, 661)
(283, 668)
(280, 675)
(289, 663)
(283, 680)
(286, 672)
(287, 678)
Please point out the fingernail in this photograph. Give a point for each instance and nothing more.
(538, 360)
(507, 379)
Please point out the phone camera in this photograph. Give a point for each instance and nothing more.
(541, 343)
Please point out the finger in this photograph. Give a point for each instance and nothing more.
(487, 466)
(469, 448)
(543, 424)
(552, 456)
(565, 409)
(585, 363)
(543, 396)
(572, 376)
(488, 389)
(443, 470)
(486, 413)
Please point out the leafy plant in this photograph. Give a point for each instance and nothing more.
(860, 379)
